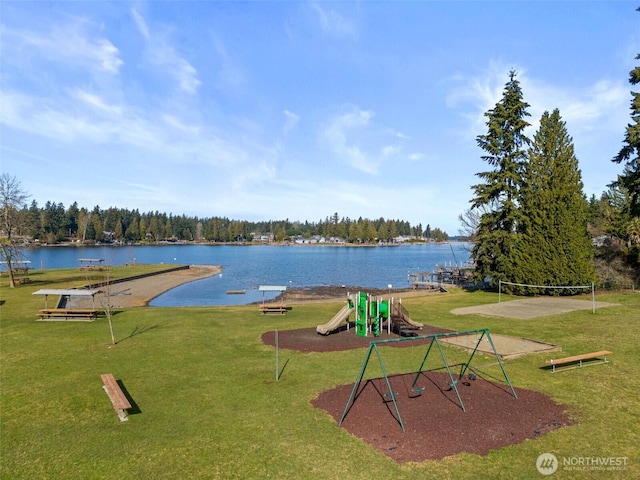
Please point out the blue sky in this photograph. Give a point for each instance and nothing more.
(273, 110)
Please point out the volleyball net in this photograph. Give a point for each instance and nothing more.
(589, 287)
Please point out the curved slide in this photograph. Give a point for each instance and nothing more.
(336, 322)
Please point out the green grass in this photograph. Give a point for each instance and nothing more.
(209, 406)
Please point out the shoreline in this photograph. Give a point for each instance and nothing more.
(140, 292)
(246, 244)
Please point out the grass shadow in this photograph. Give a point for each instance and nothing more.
(496, 382)
(135, 409)
(281, 372)
(439, 387)
(588, 362)
(138, 330)
(388, 399)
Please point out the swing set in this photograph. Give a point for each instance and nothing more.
(435, 340)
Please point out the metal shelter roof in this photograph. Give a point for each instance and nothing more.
(271, 288)
(66, 292)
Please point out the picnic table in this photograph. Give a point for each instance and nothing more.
(67, 313)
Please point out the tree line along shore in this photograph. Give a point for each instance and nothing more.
(54, 223)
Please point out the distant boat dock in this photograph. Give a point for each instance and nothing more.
(442, 275)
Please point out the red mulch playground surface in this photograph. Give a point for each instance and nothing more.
(435, 424)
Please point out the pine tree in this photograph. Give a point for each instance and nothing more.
(504, 144)
(554, 247)
(630, 152)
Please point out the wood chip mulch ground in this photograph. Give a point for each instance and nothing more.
(435, 423)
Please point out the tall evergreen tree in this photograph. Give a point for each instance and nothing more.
(630, 152)
(505, 146)
(554, 247)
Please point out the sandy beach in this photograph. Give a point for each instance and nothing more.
(139, 292)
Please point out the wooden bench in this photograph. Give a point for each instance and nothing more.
(577, 360)
(67, 313)
(118, 399)
(277, 309)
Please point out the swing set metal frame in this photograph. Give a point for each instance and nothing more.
(435, 339)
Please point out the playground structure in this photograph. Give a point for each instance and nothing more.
(416, 391)
(372, 315)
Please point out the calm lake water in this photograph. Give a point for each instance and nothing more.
(247, 267)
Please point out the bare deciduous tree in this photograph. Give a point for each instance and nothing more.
(12, 199)
(470, 220)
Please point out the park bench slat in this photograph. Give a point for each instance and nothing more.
(118, 399)
(578, 359)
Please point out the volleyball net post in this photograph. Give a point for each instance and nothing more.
(559, 287)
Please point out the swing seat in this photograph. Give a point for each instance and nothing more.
(391, 395)
(416, 392)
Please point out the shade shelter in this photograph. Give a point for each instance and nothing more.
(19, 263)
(271, 288)
(265, 308)
(66, 293)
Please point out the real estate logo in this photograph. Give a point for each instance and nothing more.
(547, 463)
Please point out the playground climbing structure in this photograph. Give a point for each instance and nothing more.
(372, 315)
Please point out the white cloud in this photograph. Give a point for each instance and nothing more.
(475, 95)
(332, 22)
(176, 123)
(291, 120)
(162, 54)
(41, 117)
(601, 105)
(140, 23)
(391, 150)
(595, 114)
(30, 155)
(337, 134)
(187, 76)
(97, 102)
(67, 44)
(355, 138)
(107, 55)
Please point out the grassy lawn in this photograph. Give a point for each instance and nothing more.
(207, 404)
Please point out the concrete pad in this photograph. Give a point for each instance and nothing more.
(533, 307)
